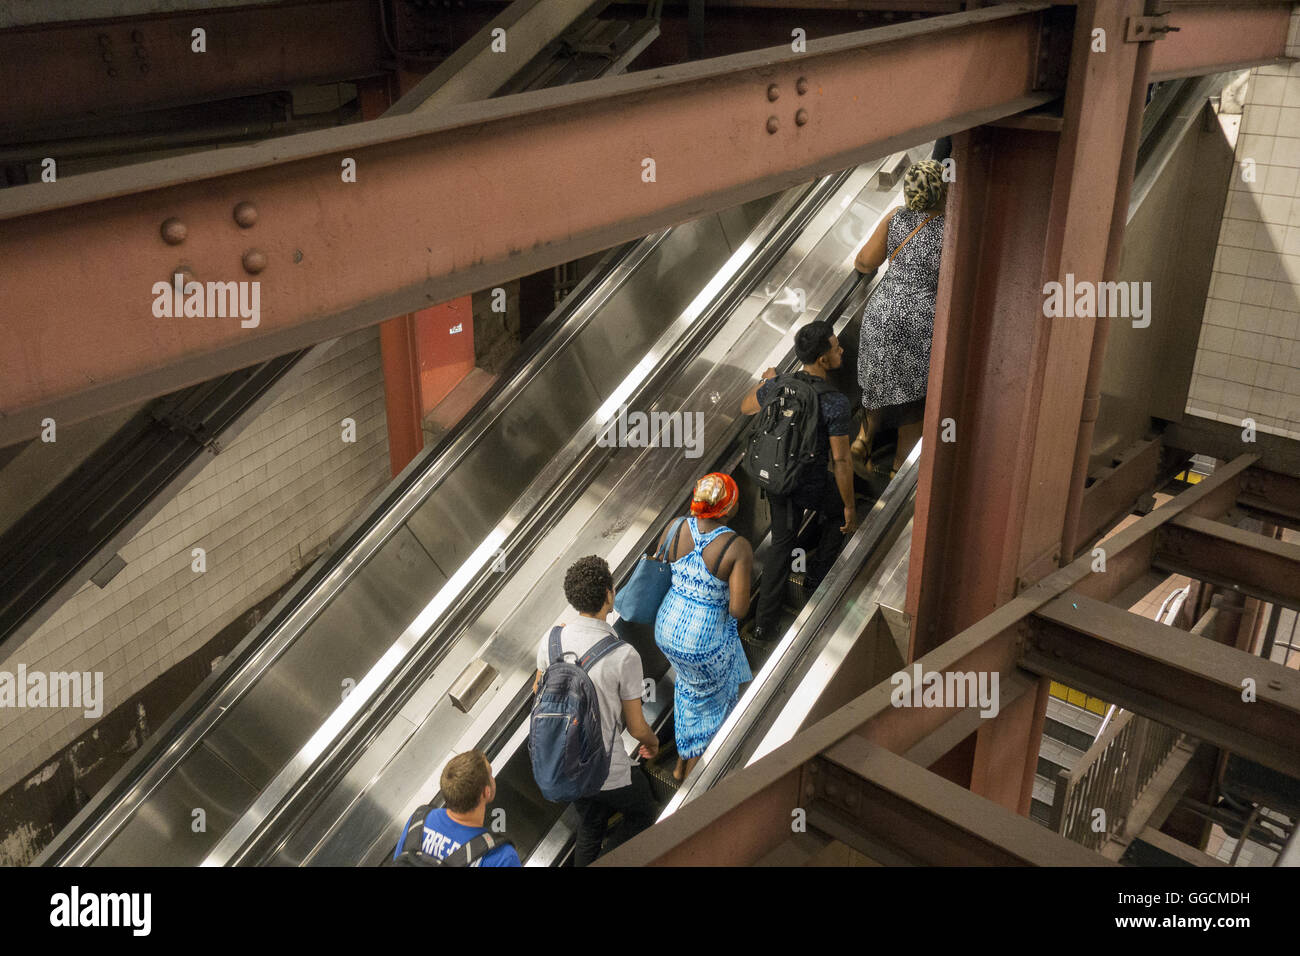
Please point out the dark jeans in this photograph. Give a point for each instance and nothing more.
(636, 804)
(787, 514)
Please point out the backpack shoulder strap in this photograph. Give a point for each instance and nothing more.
(599, 650)
(554, 649)
(474, 849)
(778, 382)
(415, 830)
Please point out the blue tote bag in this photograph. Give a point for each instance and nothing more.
(640, 598)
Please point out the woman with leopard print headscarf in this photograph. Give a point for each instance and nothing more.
(898, 321)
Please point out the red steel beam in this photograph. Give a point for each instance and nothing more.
(1220, 554)
(1207, 42)
(1179, 679)
(399, 348)
(1090, 175)
(456, 201)
(120, 66)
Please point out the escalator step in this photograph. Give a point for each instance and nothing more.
(660, 772)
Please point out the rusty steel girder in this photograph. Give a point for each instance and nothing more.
(1165, 674)
(450, 203)
(894, 812)
(119, 66)
(1206, 42)
(1254, 564)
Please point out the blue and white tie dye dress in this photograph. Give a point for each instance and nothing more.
(699, 637)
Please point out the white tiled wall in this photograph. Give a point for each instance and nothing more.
(1248, 358)
(278, 492)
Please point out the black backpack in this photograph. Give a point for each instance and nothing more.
(784, 438)
(464, 855)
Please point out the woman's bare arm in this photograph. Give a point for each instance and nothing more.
(741, 578)
(876, 249)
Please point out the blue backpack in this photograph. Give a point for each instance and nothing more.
(564, 733)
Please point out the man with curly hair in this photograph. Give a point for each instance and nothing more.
(589, 589)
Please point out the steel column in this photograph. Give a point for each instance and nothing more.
(398, 339)
(965, 534)
(1090, 176)
(1016, 384)
(1071, 534)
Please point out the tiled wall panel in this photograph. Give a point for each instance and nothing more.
(1248, 357)
(264, 505)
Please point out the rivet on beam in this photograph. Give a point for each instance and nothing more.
(173, 231)
(773, 92)
(254, 261)
(773, 124)
(245, 214)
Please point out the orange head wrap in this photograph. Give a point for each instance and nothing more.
(714, 494)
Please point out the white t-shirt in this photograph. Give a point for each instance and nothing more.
(616, 677)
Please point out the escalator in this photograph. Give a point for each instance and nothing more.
(333, 717)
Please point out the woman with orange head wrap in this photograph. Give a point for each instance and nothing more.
(696, 627)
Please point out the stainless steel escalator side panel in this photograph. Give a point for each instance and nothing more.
(270, 721)
(662, 290)
(287, 784)
(95, 824)
(882, 586)
(375, 812)
(203, 793)
(510, 454)
(263, 729)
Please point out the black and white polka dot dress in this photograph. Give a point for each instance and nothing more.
(898, 321)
